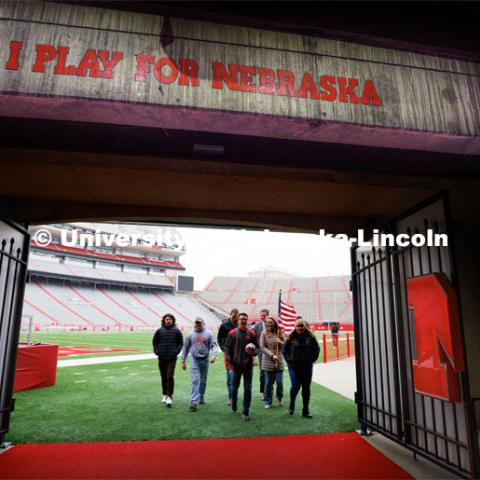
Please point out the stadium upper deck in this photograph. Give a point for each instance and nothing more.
(107, 287)
(138, 264)
(317, 299)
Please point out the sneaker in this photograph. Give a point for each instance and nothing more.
(245, 418)
(193, 407)
(234, 408)
(307, 415)
(268, 406)
(169, 402)
(202, 401)
(164, 399)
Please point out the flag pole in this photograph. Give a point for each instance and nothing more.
(279, 300)
(279, 324)
(277, 346)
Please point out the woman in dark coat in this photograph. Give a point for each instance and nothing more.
(301, 352)
(167, 344)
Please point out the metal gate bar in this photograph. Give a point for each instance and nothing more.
(422, 399)
(14, 247)
(396, 357)
(377, 303)
(373, 345)
(386, 345)
(415, 261)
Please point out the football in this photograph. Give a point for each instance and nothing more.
(251, 349)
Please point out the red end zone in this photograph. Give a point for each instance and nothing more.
(89, 349)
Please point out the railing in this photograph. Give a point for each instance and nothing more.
(336, 347)
(91, 328)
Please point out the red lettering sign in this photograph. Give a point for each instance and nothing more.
(143, 67)
(370, 95)
(90, 65)
(166, 70)
(109, 63)
(266, 81)
(189, 72)
(12, 62)
(95, 63)
(437, 335)
(45, 53)
(221, 75)
(246, 79)
(347, 90)
(308, 88)
(329, 92)
(61, 68)
(286, 83)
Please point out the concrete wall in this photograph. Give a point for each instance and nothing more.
(64, 49)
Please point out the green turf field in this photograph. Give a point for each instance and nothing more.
(124, 340)
(121, 401)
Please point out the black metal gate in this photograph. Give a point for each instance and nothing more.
(14, 246)
(386, 399)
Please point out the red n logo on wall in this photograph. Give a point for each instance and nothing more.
(437, 334)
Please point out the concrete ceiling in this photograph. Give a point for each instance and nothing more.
(45, 186)
(61, 171)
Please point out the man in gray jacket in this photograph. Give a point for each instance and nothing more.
(200, 344)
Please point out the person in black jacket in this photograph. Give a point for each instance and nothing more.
(167, 344)
(225, 328)
(301, 352)
(259, 328)
(242, 362)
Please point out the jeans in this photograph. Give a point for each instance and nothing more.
(271, 378)
(246, 372)
(229, 382)
(167, 369)
(300, 378)
(198, 374)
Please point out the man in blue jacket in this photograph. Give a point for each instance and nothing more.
(200, 344)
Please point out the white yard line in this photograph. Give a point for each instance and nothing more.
(99, 360)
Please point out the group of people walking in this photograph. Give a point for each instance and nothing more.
(202, 347)
(241, 346)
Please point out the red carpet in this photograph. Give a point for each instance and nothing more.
(337, 455)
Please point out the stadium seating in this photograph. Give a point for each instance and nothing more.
(59, 304)
(72, 269)
(107, 288)
(317, 299)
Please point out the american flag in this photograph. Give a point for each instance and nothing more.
(287, 317)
